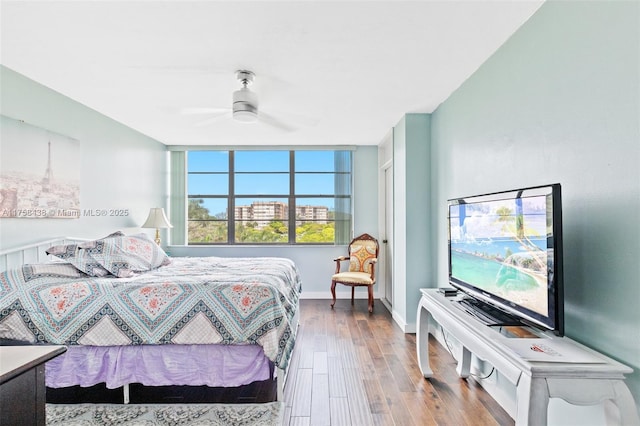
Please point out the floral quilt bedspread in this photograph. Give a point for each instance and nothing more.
(198, 300)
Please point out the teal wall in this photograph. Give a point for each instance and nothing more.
(412, 257)
(119, 167)
(559, 102)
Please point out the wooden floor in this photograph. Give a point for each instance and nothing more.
(350, 367)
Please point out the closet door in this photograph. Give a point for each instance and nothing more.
(388, 234)
(385, 221)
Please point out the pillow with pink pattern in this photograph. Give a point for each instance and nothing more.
(125, 255)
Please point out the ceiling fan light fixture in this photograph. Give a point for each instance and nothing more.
(245, 116)
(245, 105)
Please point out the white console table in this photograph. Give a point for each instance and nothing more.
(536, 382)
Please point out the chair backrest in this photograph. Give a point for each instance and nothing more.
(362, 250)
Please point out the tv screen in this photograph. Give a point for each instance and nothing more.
(506, 249)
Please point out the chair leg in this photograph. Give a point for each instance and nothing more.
(353, 289)
(370, 298)
(333, 293)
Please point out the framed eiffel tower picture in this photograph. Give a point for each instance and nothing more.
(39, 172)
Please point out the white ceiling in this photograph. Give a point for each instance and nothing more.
(340, 72)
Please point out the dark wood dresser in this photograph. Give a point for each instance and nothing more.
(22, 387)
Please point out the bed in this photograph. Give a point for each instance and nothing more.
(129, 314)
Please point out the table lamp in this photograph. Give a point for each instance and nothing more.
(157, 219)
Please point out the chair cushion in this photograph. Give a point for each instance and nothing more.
(353, 277)
(362, 253)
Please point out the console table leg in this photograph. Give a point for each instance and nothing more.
(532, 401)
(624, 402)
(464, 363)
(422, 341)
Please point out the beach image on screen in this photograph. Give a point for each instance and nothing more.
(501, 247)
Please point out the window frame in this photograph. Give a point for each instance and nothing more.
(292, 198)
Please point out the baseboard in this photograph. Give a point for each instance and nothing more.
(346, 295)
(339, 295)
(398, 320)
(404, 326)
(386, 304)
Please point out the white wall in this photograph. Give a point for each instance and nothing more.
(560, 102)
(119, 168)
(315, 263)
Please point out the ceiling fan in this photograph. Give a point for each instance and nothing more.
(244, 107)
(245, 102)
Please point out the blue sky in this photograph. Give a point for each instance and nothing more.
(277, 183)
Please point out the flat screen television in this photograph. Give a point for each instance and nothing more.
(505, 248)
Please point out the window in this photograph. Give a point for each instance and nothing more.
(268, 197)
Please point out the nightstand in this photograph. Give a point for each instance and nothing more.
(22, 387)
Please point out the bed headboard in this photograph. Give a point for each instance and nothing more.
(31, 253)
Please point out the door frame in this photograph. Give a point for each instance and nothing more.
(385, 162)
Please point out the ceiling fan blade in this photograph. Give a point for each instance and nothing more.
(213, 119)
(298, 120)
(203, 110)
(272, 121)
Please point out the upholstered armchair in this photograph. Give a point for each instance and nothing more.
(363, 255)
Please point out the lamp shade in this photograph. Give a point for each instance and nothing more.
(157, 219)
